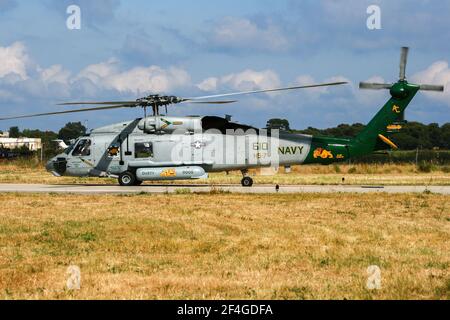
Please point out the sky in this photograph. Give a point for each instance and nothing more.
(128, 49)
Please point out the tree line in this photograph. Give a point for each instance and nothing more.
(70, 131)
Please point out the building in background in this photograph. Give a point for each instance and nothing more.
(32, 144)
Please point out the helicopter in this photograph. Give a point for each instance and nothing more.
(164, 148)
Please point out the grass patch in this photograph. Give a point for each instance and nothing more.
(183, 191)
(224, 246)
(425, 167)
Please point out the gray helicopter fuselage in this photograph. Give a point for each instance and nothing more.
(170, 148)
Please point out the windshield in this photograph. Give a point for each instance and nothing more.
(70, 148)
(83, 148)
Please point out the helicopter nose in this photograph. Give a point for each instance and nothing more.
(57, 166)
(49, 166)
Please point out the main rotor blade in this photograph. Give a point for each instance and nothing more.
(403, 62)
(64, 112)
(210, 102)
(431, 87)
(374, 86)
(99, 103)
(267, 90)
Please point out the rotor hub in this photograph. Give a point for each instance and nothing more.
(158, 101)
(399, 90)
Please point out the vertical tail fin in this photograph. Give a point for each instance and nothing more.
(393, 111)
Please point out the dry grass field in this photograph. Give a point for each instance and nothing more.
(29, 172)
(225, 246)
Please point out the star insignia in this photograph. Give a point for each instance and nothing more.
(198, 145)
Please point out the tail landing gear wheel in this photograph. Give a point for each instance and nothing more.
(127, 179)
(247, 182)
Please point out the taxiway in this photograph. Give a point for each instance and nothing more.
(257, 189)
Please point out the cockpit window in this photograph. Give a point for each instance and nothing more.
(70, 148)
(143, 150)
(83, 148)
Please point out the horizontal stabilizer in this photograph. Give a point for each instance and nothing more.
(387, 141)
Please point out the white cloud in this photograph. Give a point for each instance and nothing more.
(248, 80)
(20, 77)
(305, 80)
(14, 60)
(150, 79)
(438, 73)
(98, 72)
(108, 79)
(252, 80)
(209, 84)
(55, 74)
(243, 81)
(139, 80)
(240, 33)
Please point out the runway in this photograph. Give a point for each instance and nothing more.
(257, 189)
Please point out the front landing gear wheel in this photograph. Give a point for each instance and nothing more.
(127, 179)
(247, 182)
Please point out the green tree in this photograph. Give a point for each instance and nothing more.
(345, 130)
(434, 135)
(14, 132)
(405, 141)
(445, 136)
(413, 134)
(47, 138)
(280, 124)
(72, 130)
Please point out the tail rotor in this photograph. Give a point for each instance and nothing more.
(391, 117)
(402, 78)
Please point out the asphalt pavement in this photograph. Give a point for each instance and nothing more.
(256, 189)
